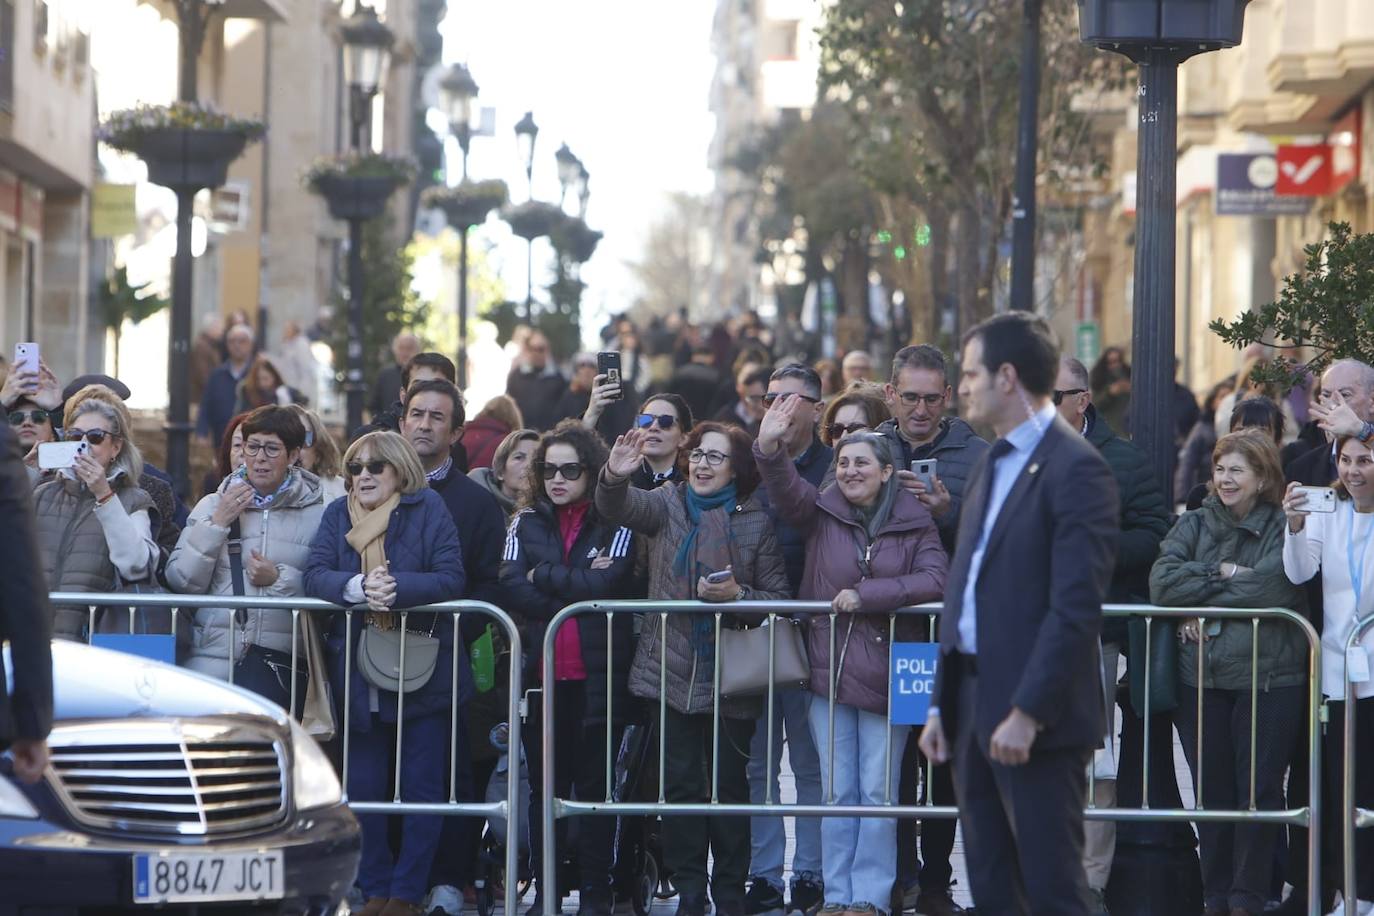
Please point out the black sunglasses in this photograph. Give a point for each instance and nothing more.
(375, 468)
(569, 471)
(93, 436)
(838, 431)
(17, 417)
(772, 396)
(1059, 396)
(646, 420)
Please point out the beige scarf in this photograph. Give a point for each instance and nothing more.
(368, 537)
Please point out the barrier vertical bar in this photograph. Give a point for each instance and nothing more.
(453, 718)
(1145, 767)
(715, 718)
(610, 667)
(295, 656)
(830, 736)
(662, 706)
(515, 753)
(1254, 703)
(887, 763)
(233, 618)
(930, 766)
(772, 690)
(1314, 806)
(348, 695)
(400, 705)
(548, 880)
(1201, 636)
(1348, 793)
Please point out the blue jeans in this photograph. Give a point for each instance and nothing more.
(861, 769)
(423, 762)
(791, 723)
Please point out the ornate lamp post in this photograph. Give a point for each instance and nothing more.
(457, 91)
(584, 192)
(367, 45)
(569, 167)
(525, 133)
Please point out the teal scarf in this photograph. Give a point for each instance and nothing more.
(696, 507)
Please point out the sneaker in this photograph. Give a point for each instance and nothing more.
(763, 899)
(1098, 901)
(807, 897)
(937, 903)
(691, 905)
(444, 900)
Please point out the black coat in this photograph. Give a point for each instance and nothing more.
(25, 616)
(538, 394)
(535, 542)
(481, 527)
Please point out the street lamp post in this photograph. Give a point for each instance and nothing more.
(1027, 145)
(569, 168)
(525, 133)
(456, 93)
(367, 45)
(584, 192)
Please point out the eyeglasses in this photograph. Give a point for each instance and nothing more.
(1059, 396)
(772, 396)
(270, 449)
(17, 417)
(93, 436)
(569, 471)
(646, 420)
(712, 459)
(838, 431)
(912, 398)
(375, 468)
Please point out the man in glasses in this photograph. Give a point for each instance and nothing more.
(432, 422)
(747, 410)
(1144, 523)
(791, 710)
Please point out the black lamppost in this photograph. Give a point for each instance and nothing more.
(525, 133)
(1027, 146)
(569, 168)
(456, 93)
(584, 191)
(367, 46)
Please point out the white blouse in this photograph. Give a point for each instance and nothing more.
(1327, 543)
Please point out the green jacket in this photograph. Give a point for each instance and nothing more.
(1188, 574)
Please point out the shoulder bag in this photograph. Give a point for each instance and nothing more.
(379, 658)
(744, 658)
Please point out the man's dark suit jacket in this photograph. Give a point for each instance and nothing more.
(1048, 563)
(25, 617)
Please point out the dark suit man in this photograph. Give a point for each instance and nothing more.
(25, 621)
(1018, 697)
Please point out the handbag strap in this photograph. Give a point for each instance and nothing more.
(236, 567)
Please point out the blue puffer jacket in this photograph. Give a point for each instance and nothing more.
(427, 563)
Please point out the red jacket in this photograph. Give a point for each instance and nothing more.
(482, 437)
(908, 566)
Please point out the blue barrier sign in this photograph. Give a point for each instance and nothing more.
(913, 680)
(158, 648)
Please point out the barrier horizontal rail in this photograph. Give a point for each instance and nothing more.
(507, 809)
(1353, 817)
(553, 808)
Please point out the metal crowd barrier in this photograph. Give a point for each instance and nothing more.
(508, 809)
(656, 613)
(1352, 815)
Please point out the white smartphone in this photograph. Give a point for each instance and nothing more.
(1319, 499)
(26, 357)
(53, 456)
(925, 472)
(719, 578)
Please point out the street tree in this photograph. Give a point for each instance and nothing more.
(675, 264)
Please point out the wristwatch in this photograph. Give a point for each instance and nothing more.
(739, 595)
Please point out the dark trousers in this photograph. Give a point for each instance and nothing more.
(1333, 812)
(454, 863)
(932, 869)
(1238, 859)
(423, 759)
(1023, 825)
(687, 778)
(580, 773)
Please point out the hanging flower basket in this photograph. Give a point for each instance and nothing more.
(532, 219)
(574, 239)
(357, 187)
(468, 204)
(186, 146)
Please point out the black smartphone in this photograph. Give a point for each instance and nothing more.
(608, 364)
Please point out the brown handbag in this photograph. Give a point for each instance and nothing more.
(744, 658)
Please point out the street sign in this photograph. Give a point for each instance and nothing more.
(1304, 171)
(1245, 187)
(912, 681)
(1089, 342)
(112, 211)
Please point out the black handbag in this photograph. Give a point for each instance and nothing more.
(1162, 664)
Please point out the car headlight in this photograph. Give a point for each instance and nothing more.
(313, 781)
(13, 802)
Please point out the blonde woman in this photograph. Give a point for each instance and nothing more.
(391, 545)
(320, 454)
(95, 524)
(508, 477)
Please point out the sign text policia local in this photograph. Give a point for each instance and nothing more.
(913, 680)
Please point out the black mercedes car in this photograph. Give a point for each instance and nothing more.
(171, 792)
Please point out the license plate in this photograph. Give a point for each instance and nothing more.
(177, 877)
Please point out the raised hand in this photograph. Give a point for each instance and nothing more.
(625, 456)
(777, 423)
(48, 394)
(1293, 504)
(1337, 417)
(603, 395)
(90, 472)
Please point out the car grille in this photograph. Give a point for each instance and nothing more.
(175, 777)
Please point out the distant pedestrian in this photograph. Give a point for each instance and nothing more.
(264, 386)
(857, 367)
(404, 348)
(207, 352)
(536, 384)
(218, 403)
(299, 368)
(485, 432)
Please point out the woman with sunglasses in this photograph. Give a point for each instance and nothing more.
(559, 551)
(860, 407)
(708, 525)
(392, 545)
(666, 421)
(272, 509)
(32, 425)
(872, 547)
(95, 524)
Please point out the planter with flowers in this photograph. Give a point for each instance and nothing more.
(358, 186)
(573, 239)
(533, 219)
(186, 146)
(467, 204)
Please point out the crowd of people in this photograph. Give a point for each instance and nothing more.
(712, 470)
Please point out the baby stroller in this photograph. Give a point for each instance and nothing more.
(491, 871)
(640, 874)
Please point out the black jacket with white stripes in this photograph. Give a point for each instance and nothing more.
(534, 542)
